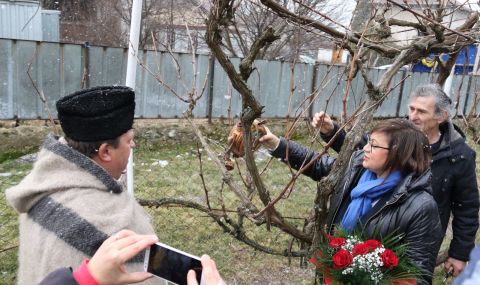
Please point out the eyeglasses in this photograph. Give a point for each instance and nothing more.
(372, 146)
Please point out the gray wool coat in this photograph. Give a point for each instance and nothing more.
(68, 206)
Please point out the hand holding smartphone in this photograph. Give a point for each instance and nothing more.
(171, 264)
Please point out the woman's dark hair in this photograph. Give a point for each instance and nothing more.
(90, 148)
(409, 148)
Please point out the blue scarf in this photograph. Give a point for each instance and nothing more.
(368, 189)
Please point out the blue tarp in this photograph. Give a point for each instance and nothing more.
(465, 61)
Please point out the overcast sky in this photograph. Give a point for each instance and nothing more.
(342, 10)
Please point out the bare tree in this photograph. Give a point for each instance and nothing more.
(224, 18)
(106, 22)
(252, 18)
(434, 36)
(163, 22)
(71, 10)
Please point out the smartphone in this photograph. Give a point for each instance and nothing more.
(171, 264)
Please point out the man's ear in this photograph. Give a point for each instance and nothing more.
(443, 117)
(103, 153)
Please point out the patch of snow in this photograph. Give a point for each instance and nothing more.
(161, 163)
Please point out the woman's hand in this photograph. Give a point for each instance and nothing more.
(322, 121)
(107, 266)
(209, 271)
(269, 140)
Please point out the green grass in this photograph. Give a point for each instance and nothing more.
(15, 153)
(189, 229)
(10, 174)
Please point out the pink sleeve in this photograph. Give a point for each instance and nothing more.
(83, 276)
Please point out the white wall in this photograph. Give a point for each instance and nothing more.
(452, 21)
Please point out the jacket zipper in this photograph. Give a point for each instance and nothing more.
(382, 208)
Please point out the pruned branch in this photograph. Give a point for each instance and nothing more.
(205, 189)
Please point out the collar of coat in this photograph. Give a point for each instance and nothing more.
(59, 167)
(54, 144)
(451, 134)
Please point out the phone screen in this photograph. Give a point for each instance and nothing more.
(171, 264)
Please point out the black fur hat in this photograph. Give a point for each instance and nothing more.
(96, 114)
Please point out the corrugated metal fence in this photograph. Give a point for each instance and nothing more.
(58, 69)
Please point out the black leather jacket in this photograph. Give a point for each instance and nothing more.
(454, 185)
(409, 210)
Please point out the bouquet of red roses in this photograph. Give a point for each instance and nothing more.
(349, 259)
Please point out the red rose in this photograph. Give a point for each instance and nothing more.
(342, 259)
(337, 242)
(389, 259)
(360, 248)
(373, 243)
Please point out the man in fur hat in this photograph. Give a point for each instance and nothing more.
(72, 200)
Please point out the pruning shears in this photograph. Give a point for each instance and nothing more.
(448, 274)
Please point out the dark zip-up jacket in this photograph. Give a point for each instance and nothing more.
(454, 185)
(409, 210)
(61, 276)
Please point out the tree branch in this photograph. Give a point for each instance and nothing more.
(265, 40)
(224, 221)
(431, 20)
(302, 20)
(221, 15)
(227, 178)
(447, 68)
(402, 23)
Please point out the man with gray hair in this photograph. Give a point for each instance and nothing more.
(454, 180)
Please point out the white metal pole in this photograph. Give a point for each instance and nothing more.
(447, 88)
(132, 70)
(477, 57)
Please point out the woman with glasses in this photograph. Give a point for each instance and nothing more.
(385, 190)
